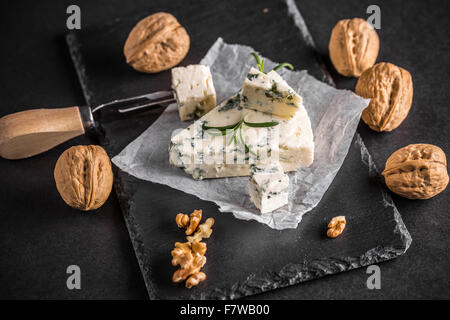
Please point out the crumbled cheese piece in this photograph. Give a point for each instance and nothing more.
(269, 93)
(194, 90)
(268, 187)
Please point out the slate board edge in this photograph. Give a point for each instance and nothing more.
(77, 58)
(257, 282)
(135, 236)
(292, 274)
(299, 21)
(400, 227)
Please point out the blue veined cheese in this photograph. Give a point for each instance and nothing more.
(268, 187)
(269, 93)
(194, 90)
(209, 154)
(204, 154)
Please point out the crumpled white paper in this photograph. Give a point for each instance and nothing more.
(334, 117)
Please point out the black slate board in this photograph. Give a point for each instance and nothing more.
(244, 257)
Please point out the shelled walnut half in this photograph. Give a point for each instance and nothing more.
(204, 231)
(417, 171)
(336, 226)
(191, 258)
(158, 42)
(190, 223)
(84, 177)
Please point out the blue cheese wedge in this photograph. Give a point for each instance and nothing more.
(209, 154)
(194, 91)
(269, 93)
(268, 187)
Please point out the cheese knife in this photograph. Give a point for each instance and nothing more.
(31, 132)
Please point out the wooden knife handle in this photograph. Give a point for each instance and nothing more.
(27, 133)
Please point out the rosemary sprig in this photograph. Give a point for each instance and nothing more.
(246, 147)
(236, 131)
(260, 64)
(260, 124)
(284, 65)
(224, 129)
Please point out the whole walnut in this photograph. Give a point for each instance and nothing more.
(417, 171)
(354, 46)
(84, 177)
(390, 90)
(158, 42)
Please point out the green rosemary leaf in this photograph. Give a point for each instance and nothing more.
(231, 139)
(224, 128)
(247, 148)
(259, 62)
(256, 58)
(284, 65)
(236, 130)
(243, 141)
(261, 124)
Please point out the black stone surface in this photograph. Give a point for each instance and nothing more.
(244, 258)
(40, 236)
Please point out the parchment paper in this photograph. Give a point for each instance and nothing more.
(334, 117)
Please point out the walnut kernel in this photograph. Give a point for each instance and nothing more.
(190, 259)
(182, 220)
(204, 231)
(190, 223)
(190, 256)
(195, 279)
(336, 226)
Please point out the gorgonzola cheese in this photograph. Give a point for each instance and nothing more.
(268, 187)
(269, 93)
(194, 90)
(204, 154)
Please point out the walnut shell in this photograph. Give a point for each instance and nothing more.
(390, 89)
(158, 42)
(84, 177)
(417, 171)
(353, 46)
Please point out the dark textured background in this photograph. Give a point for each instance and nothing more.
(39, 239)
